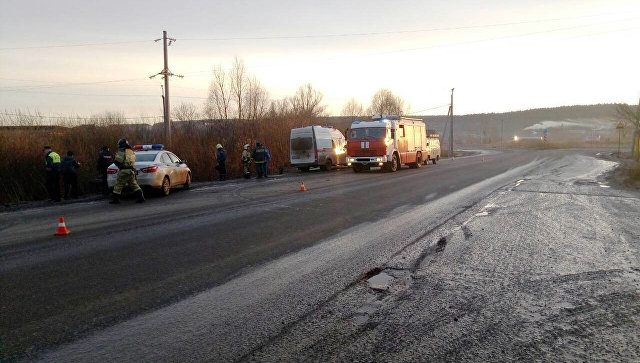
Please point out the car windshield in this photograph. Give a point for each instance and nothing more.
(146, 156)
(368, 133)
(301, 144)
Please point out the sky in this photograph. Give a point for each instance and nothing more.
(499, 55)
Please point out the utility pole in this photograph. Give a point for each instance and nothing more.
(451, 134)
(165, 73)
(501, 135)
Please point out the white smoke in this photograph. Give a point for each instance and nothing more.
(591, 124)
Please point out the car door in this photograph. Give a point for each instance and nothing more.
(179, 168)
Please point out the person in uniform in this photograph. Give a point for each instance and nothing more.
(221, 157)
(52, 165)
(259, 158)
(246, 162)
(125, 160)
(70, 175)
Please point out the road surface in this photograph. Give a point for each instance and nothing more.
(516, 255)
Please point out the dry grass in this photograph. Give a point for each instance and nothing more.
(22, 161)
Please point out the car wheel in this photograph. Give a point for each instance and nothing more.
(187, 183)
(166, 186)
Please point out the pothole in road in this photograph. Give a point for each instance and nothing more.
(380, 282)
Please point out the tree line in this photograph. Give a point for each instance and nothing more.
(236, 94)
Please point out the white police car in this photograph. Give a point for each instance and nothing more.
(156, 168)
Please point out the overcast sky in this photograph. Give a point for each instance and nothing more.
(499, 55)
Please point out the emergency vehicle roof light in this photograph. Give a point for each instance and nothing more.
(148, 147)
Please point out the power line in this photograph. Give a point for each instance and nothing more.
(76, 118)
(429, 109)
(102, 95)
(75, 45)
(336, 35)
(53, 85)
(308, 36)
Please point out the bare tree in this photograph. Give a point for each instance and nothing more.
(279, 108)
(631, 116)
(238, 85)
(385, 102)
(217, 105)
(307, 102)
(256, 99)
(186, 111)
(352, 108)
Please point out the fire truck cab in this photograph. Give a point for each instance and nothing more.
(388, 142)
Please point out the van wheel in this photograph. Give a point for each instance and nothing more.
(166, 187)
(434, 160)
(327, 165)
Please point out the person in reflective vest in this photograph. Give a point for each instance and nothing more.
(246, 162)
(125, 160)
(52, 168)
(259, 158)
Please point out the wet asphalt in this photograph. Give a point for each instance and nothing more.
(516, 255)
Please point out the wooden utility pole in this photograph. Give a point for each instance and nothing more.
(165, 73)
(451, 129)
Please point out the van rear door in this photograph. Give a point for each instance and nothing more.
(302, 147)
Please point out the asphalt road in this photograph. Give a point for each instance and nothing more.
(258, 270)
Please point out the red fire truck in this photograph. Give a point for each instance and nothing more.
(390, 142)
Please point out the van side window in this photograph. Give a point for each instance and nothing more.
(401, 131)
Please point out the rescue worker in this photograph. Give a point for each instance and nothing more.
(70, 175)
(259, 157)
(125, 160)
(105, 158)
(246, 162)
(52, 168)
(221, 157)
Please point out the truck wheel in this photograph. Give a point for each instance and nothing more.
(394, 164)
(418, 162)
(356, 168)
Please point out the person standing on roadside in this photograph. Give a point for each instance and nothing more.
(125, 160)
(246, 162)
(259, 157)
(221, 157)
(52, 169)
(70, 175)
(105, 158)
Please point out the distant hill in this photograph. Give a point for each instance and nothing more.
(486, 128)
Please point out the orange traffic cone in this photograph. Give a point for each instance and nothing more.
(302, 187)
(62, 228)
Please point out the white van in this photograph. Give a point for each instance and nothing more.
(317, 146)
